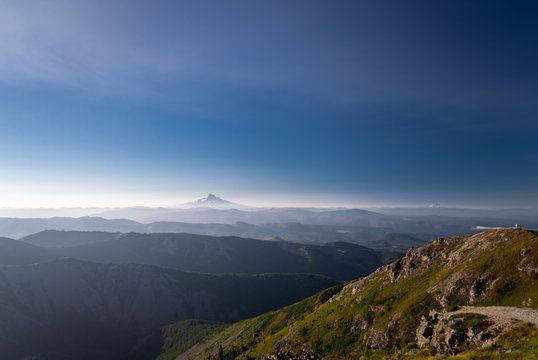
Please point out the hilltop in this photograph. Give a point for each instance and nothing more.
(474, 295)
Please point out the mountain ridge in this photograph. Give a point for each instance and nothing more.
(207, 254)
(397, 311)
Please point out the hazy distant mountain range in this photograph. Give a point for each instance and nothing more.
(213, 209)
(290, 224)
(389, 234)
(528, 214)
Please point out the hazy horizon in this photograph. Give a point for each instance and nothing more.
(254, 204)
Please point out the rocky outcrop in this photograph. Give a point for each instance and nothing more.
(526, 264)
(290, 356)
(396, 321)
(286, 349)
(283, 351)
(419, 259)
(439, 332)
(358, 324)
(415, 261)
(448, 332)
(461, 284)
(376, 339)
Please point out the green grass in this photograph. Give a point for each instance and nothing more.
(179, 337)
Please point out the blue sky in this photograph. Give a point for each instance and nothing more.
(269, 102)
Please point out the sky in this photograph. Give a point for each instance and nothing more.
(329, 103)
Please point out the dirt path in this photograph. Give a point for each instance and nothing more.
(501, 313)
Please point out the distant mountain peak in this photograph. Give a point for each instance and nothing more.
(211, 200)
(213, 197)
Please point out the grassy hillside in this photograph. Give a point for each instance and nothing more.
(170, 341)
(179, 337)
(410, 308)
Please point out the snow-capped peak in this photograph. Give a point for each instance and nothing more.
(212, 201)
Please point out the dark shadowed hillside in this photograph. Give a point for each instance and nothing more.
(208, 254)
(15, 252)
(59, 239)
(375, 237)
(230, 255)
(89, 310)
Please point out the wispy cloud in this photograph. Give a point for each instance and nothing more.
(65, 43)
(189, 52)
(205, 56)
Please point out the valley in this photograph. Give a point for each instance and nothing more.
(81, 288)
